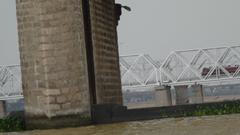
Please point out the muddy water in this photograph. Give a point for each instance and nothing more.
(213, 125)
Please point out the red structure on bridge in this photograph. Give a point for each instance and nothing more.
(230, 69)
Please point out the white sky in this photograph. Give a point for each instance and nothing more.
(157, 27)
(9, 54)
(154, 27)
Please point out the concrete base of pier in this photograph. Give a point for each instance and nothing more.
(182, 96)
(2, 109)
(197, 94)
(57, 122)
(163, 96)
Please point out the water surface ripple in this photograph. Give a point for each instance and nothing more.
(209, 125)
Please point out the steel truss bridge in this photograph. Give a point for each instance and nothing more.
(10, 82)
(211, 66)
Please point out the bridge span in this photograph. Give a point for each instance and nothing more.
(187, 70)
(210, 66)
(10, 82)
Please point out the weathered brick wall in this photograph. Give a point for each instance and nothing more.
(53, 57)
(54, 47)
(105, 51)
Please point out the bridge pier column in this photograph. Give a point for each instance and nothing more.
(197, 94)
(163, 96)
(182, 96)
(67, 63)
(2, 109)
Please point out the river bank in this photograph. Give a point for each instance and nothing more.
(206, 125)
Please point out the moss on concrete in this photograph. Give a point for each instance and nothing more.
(10, 124)
(224, 108)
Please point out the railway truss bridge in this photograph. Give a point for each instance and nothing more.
(195, 67)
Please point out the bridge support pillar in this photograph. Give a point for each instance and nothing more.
(69, 60)
(182, 96)
(163, 96)
(2, 109)
(197, 94)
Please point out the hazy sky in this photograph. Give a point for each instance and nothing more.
(157, 27)
(154, 27)
(9, 54)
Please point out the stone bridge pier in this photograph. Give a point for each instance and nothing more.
(163, 96)
(69, 59)
(186, 94)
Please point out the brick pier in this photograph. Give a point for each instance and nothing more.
(69, 59)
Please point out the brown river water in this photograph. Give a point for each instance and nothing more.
(209, 125)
